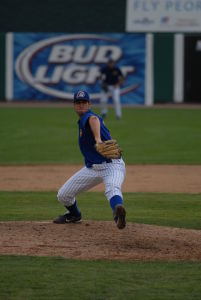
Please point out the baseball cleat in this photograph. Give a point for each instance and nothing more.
(68, 218)
(120, 216)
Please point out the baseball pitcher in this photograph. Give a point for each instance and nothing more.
(103, 163)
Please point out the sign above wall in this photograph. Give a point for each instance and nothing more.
(163, 16)
(52, 66)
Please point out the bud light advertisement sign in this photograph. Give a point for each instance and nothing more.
(52, 66)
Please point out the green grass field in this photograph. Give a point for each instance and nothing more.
(34, 278)
(147, 136)
(50, 135)
(177, 210)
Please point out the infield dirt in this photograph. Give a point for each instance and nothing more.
(139, 178)
(96, 239)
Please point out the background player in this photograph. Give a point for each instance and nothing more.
(111, 78)
(93, 133)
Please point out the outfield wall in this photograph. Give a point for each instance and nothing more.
(2, 66)
(87, 16)
(163, 64)
(51, 66)
(70, 16)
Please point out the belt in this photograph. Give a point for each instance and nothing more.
(89, 165)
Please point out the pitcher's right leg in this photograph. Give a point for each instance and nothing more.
(79, 182)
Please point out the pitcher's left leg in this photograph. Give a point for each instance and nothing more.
(113, 179)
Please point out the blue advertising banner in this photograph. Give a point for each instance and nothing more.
(52, 66)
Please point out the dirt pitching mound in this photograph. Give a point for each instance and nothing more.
(100, 240)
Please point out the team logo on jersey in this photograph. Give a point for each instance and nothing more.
(80, 132)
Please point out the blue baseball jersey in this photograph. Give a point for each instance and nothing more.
(111, 75)
(87, 141)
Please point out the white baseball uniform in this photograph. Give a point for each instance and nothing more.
(113, 92)
(97, 169)
(112, 174)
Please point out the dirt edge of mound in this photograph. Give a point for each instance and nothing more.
(137, 242)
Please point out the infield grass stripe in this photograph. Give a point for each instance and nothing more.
(147, 136)
(42, 278)
(176, 210)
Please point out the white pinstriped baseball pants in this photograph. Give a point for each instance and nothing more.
(114, 92)
(112, 174)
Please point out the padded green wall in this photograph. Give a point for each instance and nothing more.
(63, 15)
(2, 66)
(163, 67)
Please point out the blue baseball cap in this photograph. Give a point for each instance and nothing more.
(81, 95)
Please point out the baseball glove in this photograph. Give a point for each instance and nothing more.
(109, 149)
